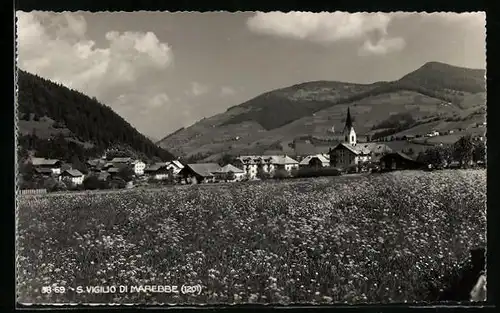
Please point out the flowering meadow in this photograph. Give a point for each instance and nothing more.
(356, 239)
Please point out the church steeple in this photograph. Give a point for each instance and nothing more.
(349, 133)
(348, 121)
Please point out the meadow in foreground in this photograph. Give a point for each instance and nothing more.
(376, 238)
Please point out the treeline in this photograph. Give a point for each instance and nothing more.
(88, 119)
(463, 151)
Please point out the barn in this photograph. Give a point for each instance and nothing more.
(398, 161)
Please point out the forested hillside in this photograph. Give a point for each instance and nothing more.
(57, 122)
(437, 96)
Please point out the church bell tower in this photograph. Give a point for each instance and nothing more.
(348, 132)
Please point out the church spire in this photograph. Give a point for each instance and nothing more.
(348, 121)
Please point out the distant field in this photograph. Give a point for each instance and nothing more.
(368, 238)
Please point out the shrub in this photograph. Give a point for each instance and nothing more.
(281, 173)
(91, 182)
(317, 172)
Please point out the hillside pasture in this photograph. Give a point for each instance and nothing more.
(368, 238)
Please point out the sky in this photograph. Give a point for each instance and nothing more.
(162, 71)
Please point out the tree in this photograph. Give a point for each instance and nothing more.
(230, 176)
(261, 174)
(436, 156)
(126, 173)
(27, 170)
(77, 164)
(463, 150)
(91, 182)
(156, 159)
(281, 173)
(226, 159)
(479, 153)
(50, 184)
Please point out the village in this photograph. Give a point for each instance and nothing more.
(350, 155)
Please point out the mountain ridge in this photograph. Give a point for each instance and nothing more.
(434, 88)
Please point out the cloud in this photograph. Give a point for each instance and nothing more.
(322, 27)
(466, 19)
(227, 91)
(55, 46)
(383, 46)
(197, 89)
(329, 28)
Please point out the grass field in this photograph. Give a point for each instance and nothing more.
(375, 238)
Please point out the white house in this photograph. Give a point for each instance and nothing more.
(138, 167)
(268, 163)
(75, 176)
(239, 174)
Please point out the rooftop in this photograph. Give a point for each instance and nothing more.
(43, 161)
(73, 172)
(204, 169)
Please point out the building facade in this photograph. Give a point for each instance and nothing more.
(269, 164)
(138, 167)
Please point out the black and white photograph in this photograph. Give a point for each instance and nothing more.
(221, 158)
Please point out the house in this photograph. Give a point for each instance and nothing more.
(158, 171)
(345, 155)
(138, 167)
(199, 172)
(222, 173)
(432, 134)
(316, 160)
(176, 166)
(53, 164)
(75, 176)
(267, 163)
(398, 161)
(44, 172)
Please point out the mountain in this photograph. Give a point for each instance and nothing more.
(57, 122)
(435, 96)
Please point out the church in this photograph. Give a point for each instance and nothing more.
(349, 152)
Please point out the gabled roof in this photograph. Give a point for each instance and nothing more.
(121, 160)
(230, 168)
(204, 169)
(137, 161)
(321, 157)
(43, 170)
(43, 161)
(375, 147)
(400, 154)
(113, 170)
(177, 163)
(349, 147)
(96, 162)
(73, 172)
(155, 167)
